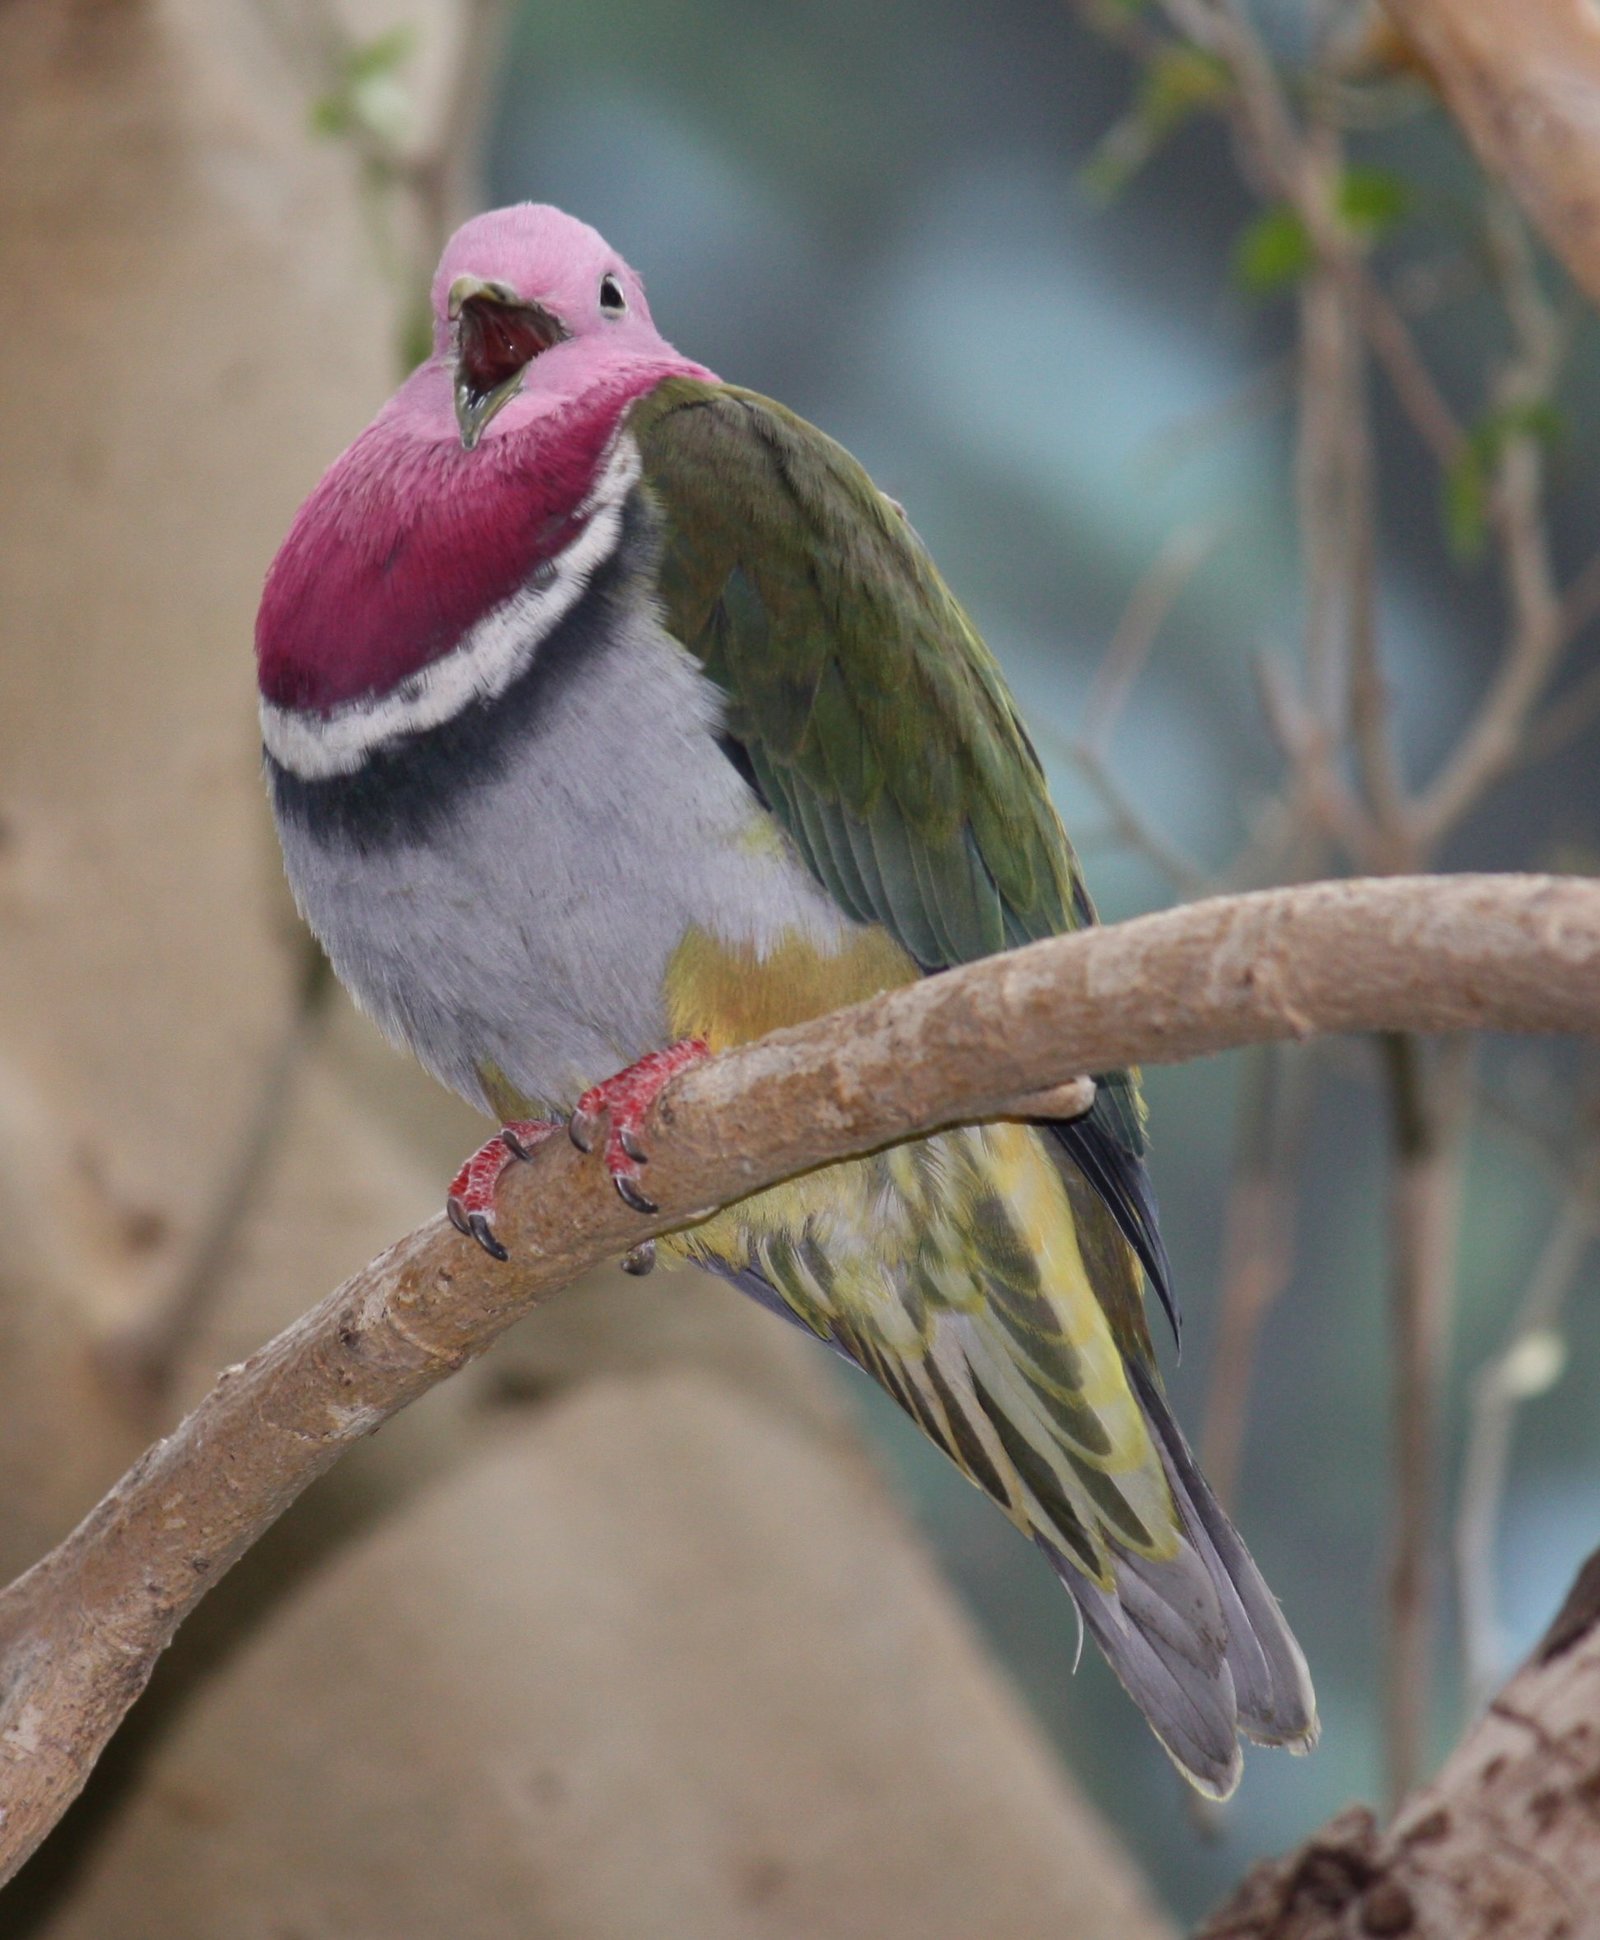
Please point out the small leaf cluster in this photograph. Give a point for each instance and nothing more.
(1469, 480)
(1276, 249)
(367, 101)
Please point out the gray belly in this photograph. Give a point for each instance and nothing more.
(530, 927)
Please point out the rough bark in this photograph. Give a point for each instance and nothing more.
(81, 1631)
(1503, 1845)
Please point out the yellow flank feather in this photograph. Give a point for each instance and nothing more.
(731, 994)
(951, 1269)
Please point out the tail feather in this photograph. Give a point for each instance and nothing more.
(1276, 1703)
(964, 1278)
(1196, 1639)
(1172, 1664)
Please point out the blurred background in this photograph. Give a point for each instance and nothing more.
(935, 230)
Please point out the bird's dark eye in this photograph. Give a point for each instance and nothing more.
(612, 300)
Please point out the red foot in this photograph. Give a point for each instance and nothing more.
(471, 1201)
(625, 1103)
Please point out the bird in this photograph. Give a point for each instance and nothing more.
(612, 716)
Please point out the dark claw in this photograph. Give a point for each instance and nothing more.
(458, 1218)
(583, 1129)
(632, 1196)
(629, 1141)
(641, 1260)
(514, 1145)
(483, 1232)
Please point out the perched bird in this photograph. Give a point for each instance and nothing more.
(613, 716)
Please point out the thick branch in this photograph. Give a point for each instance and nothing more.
(1502, 1843)
(1523, 78)
(81, 1631)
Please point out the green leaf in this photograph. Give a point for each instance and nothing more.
(1276, 251)
(1470, 477)
(1538, 418)
(1466, 504)
(331, 115)
(1273, 252)
(367, 95)
(380, 55)
(1178, 83)
(1371, 201)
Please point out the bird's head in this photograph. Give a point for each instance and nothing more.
(477, 470)
(534, 306)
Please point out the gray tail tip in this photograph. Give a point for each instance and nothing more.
(1218, 1784)
(1219, 1780)
(1296, 1740)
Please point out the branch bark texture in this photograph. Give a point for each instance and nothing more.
(1505, 1842)
(80, 1632)
(1523, 79)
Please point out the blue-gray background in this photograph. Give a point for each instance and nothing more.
(876, 214)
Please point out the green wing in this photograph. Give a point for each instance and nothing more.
(869, 714)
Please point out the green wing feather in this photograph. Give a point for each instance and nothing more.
(872, 719)
(853, 676)
(875, 722)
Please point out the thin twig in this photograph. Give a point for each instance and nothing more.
(1266, 124)
(1262, 392)
(1338, 522)
(1135, 636)
(1429, 1101)
(1257, 1247)
(1130, 827)
(1567, 716)
(1145, 614)
(1538, 630)
(1526, 1364)
(1319, 789)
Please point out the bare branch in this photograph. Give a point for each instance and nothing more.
(80, 1632)
(1568, 716)
(1131, 644)
(1129, 825)
(1153, 599)
(1257, 1248)
(1429, 1097)
(1539, 629)
(1529, 1362)
(1319, 794)
(1266, 124)
(1337, 493)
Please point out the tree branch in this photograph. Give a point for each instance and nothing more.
(1428, 1101)
(1501, 1844)
(80, 1632)
(1523, 78)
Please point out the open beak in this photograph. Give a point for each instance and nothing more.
(498, 335)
